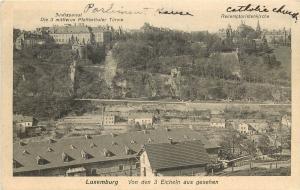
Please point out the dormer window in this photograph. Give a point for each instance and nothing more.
(84, 155)
(16, 164)
(21, 143)
(25, 152)
(65, 157)
(150, 140)
(128, 151)
(107, 153)
(132, 142)
(51, 141)
(40, 160)
(87, 136)
(72, 146)
(114, 143)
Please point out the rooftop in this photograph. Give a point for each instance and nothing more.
(140, 115)
(217, 120)
(69, 29)
(98, 147)
(174, 155)
(22, 118)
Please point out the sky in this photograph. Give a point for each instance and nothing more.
(206, 16)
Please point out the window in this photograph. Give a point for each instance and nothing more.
(121, 167)
(137, 165)
(94, 171)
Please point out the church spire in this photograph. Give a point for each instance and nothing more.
(258, 27)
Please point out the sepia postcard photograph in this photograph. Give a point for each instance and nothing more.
(150, 94)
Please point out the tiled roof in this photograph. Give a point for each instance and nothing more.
(140, 115)
(217, 120)
(95, 146)
(174, 155)
(69, 29)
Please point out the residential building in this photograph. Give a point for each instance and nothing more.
(108, 119)
(28, 40)
(174, 159)
(140, 118)
(286, 120)
(83, 121)
(245, 128)
(98, 155)
(25, 126)
(280, 36)
(23, 121)
(260, 125)
(101, 35)
(217, 122)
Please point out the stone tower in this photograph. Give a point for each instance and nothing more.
(229, 32)
(258, 29)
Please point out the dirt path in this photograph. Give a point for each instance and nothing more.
(110, 68)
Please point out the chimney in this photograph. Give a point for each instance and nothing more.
(50, 149)
(84, 155)
(167, 129)
(127, 150)
(170, 140)
(72, 146)
(25, 152)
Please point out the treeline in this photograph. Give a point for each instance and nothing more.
(42, 85)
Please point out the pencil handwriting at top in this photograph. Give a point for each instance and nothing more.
(90, 8)
(112, 9)
(167, 12)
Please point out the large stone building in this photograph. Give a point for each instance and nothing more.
(140, 118)
(71, 34)
(280, 36)
(28, 40)
(99, 155)
(80, 34)
(101, 35)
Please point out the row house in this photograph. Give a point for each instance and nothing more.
(217, 122)
(100, 155)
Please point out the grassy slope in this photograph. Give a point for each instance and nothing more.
(283, 54)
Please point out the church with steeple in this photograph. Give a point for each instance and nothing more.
(257, 35)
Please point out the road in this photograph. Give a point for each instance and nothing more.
(133, 100)
(265, 165)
